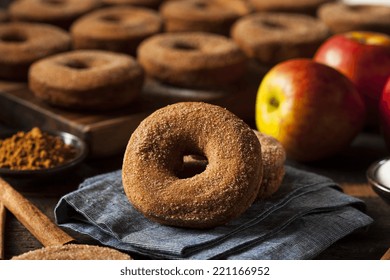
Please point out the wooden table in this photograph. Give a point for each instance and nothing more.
(348, 169)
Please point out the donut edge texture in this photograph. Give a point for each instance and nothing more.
(212, 198)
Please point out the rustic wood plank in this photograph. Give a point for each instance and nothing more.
(359, 190)
(10, 86)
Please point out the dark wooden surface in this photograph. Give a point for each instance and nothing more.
(348, 169)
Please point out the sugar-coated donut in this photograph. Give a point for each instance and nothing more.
(141, 3)
(154, 156)
(289, 6)
(86, 79)
(73, 252)
(57, 12)
(215, 16)
(193, 59)
(273, 156)
(23, 43)
(341, 17)
(274, 37)
(118, 29)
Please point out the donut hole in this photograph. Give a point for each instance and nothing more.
(192, 165)
(271, 24)
(200, 5)
(357, 8)
(13, 38)
(54, 2)
(111, 18)
(76, 64)
(184, 46)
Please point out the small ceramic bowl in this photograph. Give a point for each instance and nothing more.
(67, 138)
(378, 176)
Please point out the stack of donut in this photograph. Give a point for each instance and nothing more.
(180, 44)
(241, 166)
(92, 67)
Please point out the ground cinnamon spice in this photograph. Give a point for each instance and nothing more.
(34, 150)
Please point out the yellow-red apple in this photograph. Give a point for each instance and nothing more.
(311, 108)
(364, 57)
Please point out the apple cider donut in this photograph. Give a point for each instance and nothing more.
(86, 79)
(57, 12)
(73, 252)
(274, 37)
(118, 29)
(341, 17)
(21, 44)
(289, 6)
(215, 16)
(154, 156)
(273, 156)
(193, 59)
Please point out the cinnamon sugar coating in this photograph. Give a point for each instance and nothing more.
(87, 79)
(73, 252)
(154, 156)
(341, 17)
(21, 44)
(118, 29)
(274, 156)
(193, 59)
(215, 16)
(274, 37)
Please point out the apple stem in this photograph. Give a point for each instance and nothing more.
(274, 102)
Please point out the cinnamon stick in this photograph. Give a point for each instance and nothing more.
(31, 217)
(2, 228)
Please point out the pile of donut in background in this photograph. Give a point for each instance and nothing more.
(150, 33)
(95, 55)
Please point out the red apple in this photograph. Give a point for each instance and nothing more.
(364, 57)
(311, 108)
(384, 107)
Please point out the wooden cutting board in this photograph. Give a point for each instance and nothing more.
(107, 134)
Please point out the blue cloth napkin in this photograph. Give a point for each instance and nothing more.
(303, 218)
